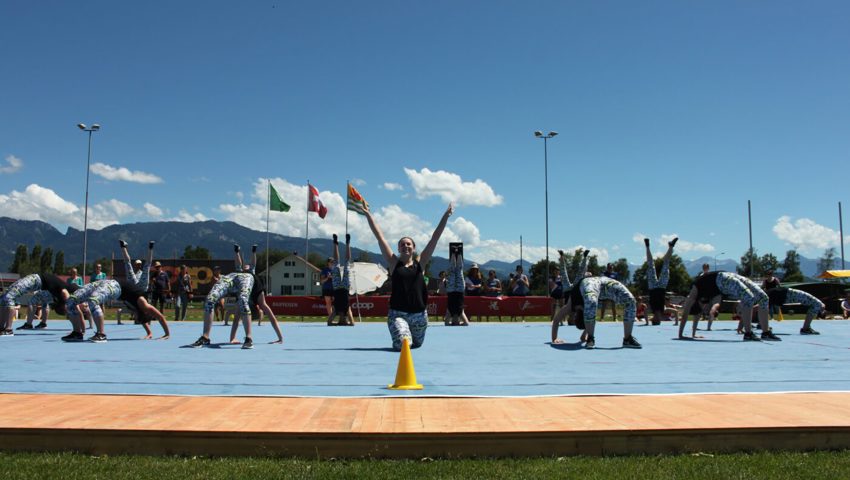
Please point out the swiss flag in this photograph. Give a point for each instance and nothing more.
(314, 203)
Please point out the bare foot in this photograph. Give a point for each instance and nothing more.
(279, 341)
(235, 341)
(147, 337)
(558, 341)
(164, 337)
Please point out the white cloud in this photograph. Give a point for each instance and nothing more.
(392, 186)
(40, 203)
(804, 234)
(108, 213)
(451, 188)
(358, 182)
(152, 210)
(393, 220)
(185, 216)
(111, 173)
(15, 164)
(251, 212)
(682, 246)
(466, 231)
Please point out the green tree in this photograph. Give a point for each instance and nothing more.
(791, 266)
(769, 262)
(621, 266)
(750, 257)
(46, 261)
(197, 253)
(316, 259)
(680, 280)
(573, 261)
(827, 261)
(363, 256)
(59, 263)
(35, 258)
(539, 279)
(21, 261)
(274, 255)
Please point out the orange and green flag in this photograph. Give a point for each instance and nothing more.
(356, 202)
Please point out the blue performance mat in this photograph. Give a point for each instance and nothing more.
(480, 360)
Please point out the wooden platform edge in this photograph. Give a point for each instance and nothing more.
(407, 445)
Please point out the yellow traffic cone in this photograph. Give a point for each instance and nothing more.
(780, 315)
(405, 376)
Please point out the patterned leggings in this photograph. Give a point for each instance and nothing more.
(237, 283)
(595, 289)
(454, 280)
(30, 283)
(94, 294)
(341, 282)
(803, 298)
(411, 326)
(141, 278)
(743, 289)
(652, 278)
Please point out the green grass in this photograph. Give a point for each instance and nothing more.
(774, 466)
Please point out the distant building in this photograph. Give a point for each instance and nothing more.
(293, 276)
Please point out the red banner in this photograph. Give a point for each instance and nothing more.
(378, 306)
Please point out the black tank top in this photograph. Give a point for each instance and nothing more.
(409, 294)
(777, 296)
(258, 289)
(130, 292)
(53, 284)
(707, 286)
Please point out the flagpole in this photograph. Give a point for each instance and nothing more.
(268, 214)
(307, 240)
(347, 187)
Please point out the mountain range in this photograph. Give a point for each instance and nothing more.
(218, 237)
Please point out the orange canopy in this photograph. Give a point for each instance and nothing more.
(835, 274)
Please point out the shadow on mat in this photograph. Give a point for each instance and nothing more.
(215, 345)
(352, 349)
(705, 340)
(566, 346)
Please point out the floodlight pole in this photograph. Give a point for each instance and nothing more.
(546, 138)
(95, 127)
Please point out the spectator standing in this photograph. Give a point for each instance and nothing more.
(771, 282)
(519, 286)
(183, 293)
(74, 278)
(98, 274)
(160, 286)
(493, 286)
(328, 284)
(473, 281)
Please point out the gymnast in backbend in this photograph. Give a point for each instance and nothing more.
(656, 284)
(707, 290)
(257, 298)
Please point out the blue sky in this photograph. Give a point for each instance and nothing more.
(671, 115)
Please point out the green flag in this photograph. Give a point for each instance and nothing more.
(275, 203)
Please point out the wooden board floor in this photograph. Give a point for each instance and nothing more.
(418, 427)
